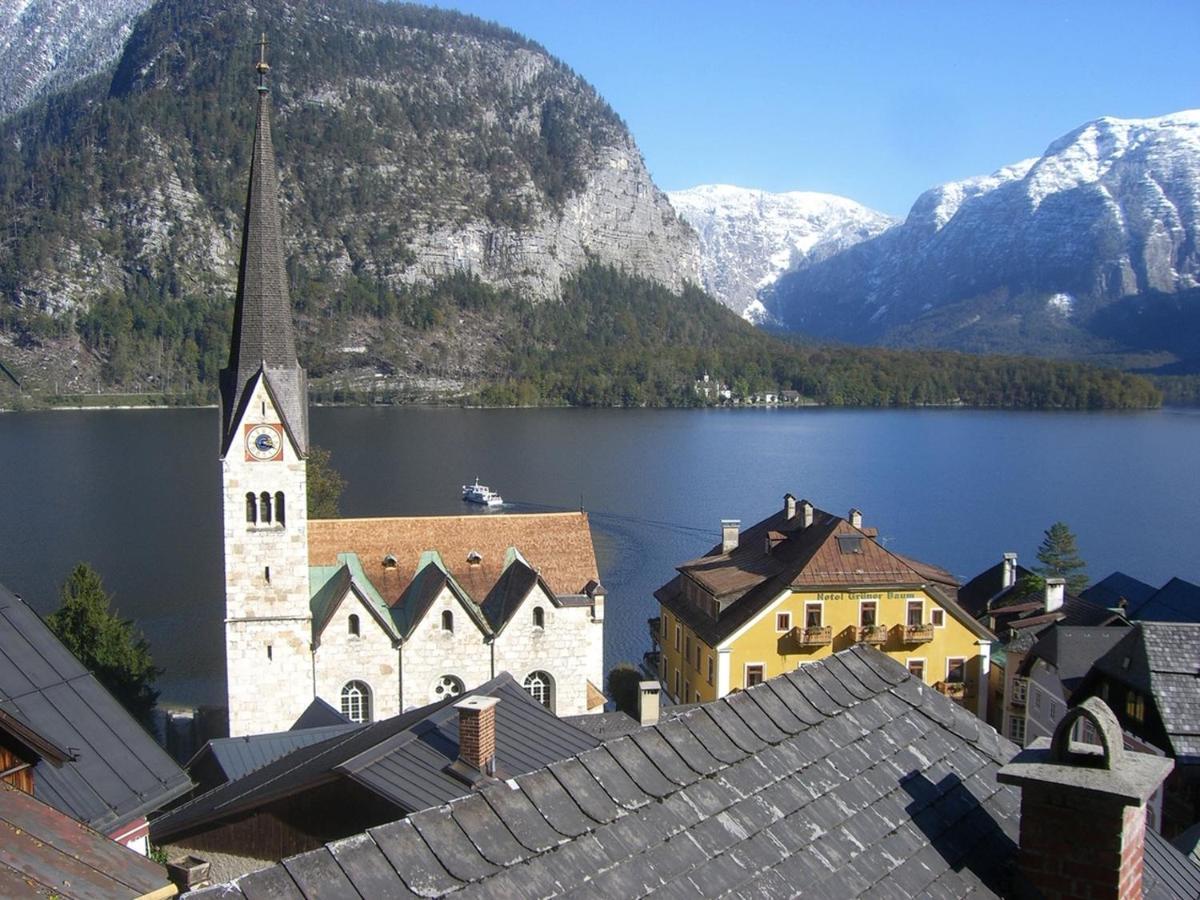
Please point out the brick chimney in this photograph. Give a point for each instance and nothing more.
(855, 517)
(1010, 571)
(477, 733)
(729, 534)
(648, 702)
(806, 513)
(789, 507)
(1083, 810)
(1055, 589)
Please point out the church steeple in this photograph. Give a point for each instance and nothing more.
(263, 338)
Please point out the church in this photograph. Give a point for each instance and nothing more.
(373, 616)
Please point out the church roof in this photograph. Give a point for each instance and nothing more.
(473, 549)
(263, 338)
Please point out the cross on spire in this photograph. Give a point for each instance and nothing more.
(261, 66)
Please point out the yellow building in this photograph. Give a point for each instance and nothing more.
(803, 584)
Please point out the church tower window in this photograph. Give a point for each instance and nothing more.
(279, 507)
(264, 508)
(251, 509)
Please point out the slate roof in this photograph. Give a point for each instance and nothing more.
(1162, 660)
(263, 339)
(1175, 601)
(845, 778)
(403, 759)
(1118, 589)
(236, 757)
(557, 545)
(831, 553)
(118, 773)
(975, 594)
(48, 854)
(1072, 650)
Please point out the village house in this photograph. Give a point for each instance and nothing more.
(375, 616)
(798, 586)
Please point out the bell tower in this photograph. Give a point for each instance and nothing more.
(264, 443)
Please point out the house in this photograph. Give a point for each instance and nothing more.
(365, 776)
(799, 585)
(373, 616)
(847, 778)
(1175, 601)
(1002, 598)
(1151, 679)
(48, 854)
(66, 740)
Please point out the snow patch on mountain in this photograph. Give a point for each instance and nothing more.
(751, 237)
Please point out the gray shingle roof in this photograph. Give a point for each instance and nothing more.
(1175, 601)
(118, 773)
(1072, 650)
(844, 778)
(403, 760)
(263, 339)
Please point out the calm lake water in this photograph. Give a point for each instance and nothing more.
(136, 493)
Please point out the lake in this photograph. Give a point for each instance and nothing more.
(136, 493)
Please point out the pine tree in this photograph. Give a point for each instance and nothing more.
(1059, 558)
(107, 645)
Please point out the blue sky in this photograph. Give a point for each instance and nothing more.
(873, 100)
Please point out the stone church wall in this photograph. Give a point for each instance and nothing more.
(368, 657)
(431, 653)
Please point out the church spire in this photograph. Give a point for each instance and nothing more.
(263, 338)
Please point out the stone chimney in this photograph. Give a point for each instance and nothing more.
(729, 534)
(1010, 571)
(1083, 810)
(1055, 589)
(855, 517)
(789, 507)
(648, 701)
(477, 733)
(806, 514)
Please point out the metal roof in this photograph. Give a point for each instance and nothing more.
(238, 756)
(403, 759)
(845, 778)
(118, 772)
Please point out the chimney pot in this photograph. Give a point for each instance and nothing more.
(806, 513)
(1055, 590)
(789, 507)
(648, 702)
(729, 534)
(477, 733)
(1010, 571)
(1097, 795)
(856, 517)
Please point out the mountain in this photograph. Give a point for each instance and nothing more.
(1069, 254)
(416, 147)
(748, 238)
(48, 44)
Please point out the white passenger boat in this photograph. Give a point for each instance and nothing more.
(481, 493)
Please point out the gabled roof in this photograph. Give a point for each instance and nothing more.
(117, 772)
(1072, 650)
(430, 580)
(831, 553)
(844, 778)
(988, 584)
(237, 757)
(510, 591)
(1118, 589)
(330, 585)
(48, 854)
(1161, 660)
(403, 760)
(1175, 601)
(473, 548)
(319, 714)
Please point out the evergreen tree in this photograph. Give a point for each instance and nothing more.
(325, 485)
(623, 688)
(1059, 558)
(107, 645)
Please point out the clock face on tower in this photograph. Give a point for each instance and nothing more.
(263, 443)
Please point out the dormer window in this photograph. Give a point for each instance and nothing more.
(850, 543)
(474, 558)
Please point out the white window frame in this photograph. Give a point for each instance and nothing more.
(908, 605)
(1020, 690)
(1014, 721)
(678, 684)
(355, 700)
(861, 604)
(937, 613)
(820, 605)
(746, 673)
(547, 684)
(711, 669)
(924, 666)
(961, 659)
(678, 637)
(788, 627)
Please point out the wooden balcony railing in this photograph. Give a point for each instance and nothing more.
(917, 634)
(955, 690)
(817, 636)
(872, 634)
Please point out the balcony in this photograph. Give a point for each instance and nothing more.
(1020, 692)
(915, 634)
(955, 690)
(872, 634)
(815, 636)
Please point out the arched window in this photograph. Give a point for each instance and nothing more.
(353, 625)
(447, 621)
(446, 686)
(356, 702)
(251, 508)
(541, 688)
(279, 507)
(264, 508)
(539, 617)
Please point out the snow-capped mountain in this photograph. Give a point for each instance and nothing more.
(46, 44)
(1058, 254)
(750, 237)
